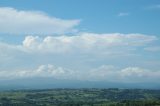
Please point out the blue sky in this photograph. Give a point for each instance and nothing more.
(100, 40)
(99, 16)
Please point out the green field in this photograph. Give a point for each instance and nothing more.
(81, 97)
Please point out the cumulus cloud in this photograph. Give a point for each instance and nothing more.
(33, 22)
(97, 45)
(102, 73)
(40, 48)
(42, 71)
(86, 43)
(128, 74)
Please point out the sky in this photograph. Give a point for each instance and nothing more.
(81, 40)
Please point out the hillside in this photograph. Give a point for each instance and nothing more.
(81, 97)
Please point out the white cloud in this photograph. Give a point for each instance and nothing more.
(42, 50)
(7, 51)
(123, 14)
(128, 74)
(87, 43)
(97, 45)
(33, 22)
(102, 73)
(41, 71)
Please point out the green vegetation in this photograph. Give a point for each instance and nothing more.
(81, 97)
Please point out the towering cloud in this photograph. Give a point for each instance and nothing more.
(87, 43)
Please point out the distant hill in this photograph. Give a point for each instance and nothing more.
(48, 83)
